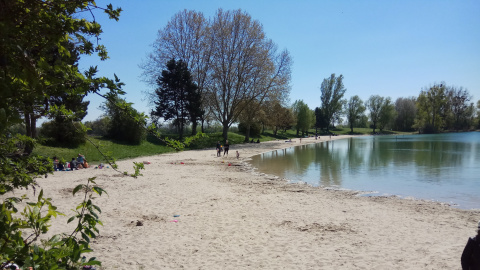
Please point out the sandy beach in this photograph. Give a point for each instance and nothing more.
(199, 211)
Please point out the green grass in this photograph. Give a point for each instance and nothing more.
(153, 146)
(115, 149)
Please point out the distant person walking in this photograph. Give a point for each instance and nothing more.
(219, 148)
(225, 148)
(471, 253)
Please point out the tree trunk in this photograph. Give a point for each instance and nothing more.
(247, 134)
(194, 127)
(28, 130)
(225, 131)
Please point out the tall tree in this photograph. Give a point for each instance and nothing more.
(431, 105)
(332, 90)
(177, 97)
(405, 113)
(374, 105)
(245, 66)
(387, 114)
(321, 121)
(186, 38)
(458, 107)
(354, 109)
(303, 117)
(32, 32)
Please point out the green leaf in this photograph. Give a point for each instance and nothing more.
(77, 188)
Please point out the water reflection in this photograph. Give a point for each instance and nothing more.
(401, 165)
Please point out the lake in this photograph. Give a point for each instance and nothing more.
(440, 167)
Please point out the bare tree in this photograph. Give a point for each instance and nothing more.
(184, 38)
(458, 107)
(231, 60)
(245, 66)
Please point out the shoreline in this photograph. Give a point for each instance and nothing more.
(233, 217)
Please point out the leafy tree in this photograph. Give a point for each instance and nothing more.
(387, 114)
(40, 41)
(251, 116)
(354, 109)
(332, 90)
(303, 117)
(98, 127)
(279, 117)
(431, 105)
(126, 124)
(177, 97)
(405, 113)
(321, 121)
(374, 105)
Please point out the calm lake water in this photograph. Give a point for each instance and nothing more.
(441, 167)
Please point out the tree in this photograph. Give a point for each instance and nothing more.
(126, 124)
(374, 105)
(332, 90)
(387, 114)
(250, 116)
(244, 65)
(406, 112)
(458, 109)
(232, 61)
(303, 116)
(431, 105)
(177, 97)
(186, 38)
(354, 109)
(321, 121)
(278, 117)
(39, 41)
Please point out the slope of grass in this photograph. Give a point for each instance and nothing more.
(115, 149)
(153, 146)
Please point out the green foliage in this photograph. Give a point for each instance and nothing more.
(126, 124)
(63, 133)
(333, 91)
(255, 129)
(115, 149)
(41, 45)
(98, 127)
(177, 97)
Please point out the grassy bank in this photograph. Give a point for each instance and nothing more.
(153, 146)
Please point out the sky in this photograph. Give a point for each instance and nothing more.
(388, 48)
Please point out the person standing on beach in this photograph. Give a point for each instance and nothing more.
(225, 148)
(471, 254)
(218, 148)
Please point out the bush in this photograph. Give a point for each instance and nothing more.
(255, 129)
(126, 124)
(98, 127)
(63, 133)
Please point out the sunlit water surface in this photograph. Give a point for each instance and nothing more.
(440, 167)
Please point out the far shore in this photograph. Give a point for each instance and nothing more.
(194, 210)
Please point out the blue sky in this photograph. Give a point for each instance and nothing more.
(387, 48)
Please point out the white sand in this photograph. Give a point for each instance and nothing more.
(231, 217)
